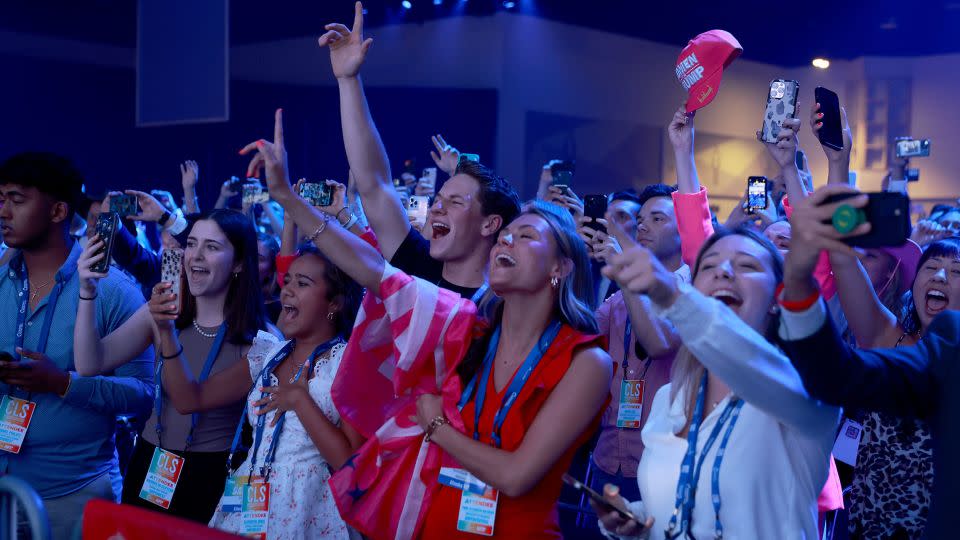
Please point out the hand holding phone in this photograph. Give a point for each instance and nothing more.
(106, 228)
(887, 212)
(124, 205)
(595, 207)
(318, 194)
(907, 147)
(756, 194)
(613, 517)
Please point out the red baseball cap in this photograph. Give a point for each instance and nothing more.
(701, 63)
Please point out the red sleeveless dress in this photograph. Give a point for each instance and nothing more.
(534, 514)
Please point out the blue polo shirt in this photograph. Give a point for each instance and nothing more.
(70, 441)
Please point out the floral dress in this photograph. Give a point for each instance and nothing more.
(301, 504)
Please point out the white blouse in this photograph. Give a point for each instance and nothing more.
(776, 461)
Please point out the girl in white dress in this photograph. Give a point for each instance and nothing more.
(301, 438)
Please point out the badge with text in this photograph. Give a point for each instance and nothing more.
(848, 442)
(232, 499)
(478, 501)
(162, 478)
(255, 508)
(631, 404)
(14, 422)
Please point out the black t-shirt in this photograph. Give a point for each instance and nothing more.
(413, 257)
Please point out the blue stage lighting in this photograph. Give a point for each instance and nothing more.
(406, 4)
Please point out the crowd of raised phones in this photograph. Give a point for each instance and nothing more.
(425, 357)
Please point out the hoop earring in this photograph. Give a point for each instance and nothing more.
(555, 282)
(330, 316)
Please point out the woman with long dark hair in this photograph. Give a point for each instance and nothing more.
(221, 312)
(298, 436)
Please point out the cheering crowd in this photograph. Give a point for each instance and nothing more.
(329, 361)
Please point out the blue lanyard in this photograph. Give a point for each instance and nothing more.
(264, 377)
(516, 385)
(627, 343)
(686, 486)
(47, 317)
(204, 373)
(478, 296)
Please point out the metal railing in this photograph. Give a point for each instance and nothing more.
(15, 493)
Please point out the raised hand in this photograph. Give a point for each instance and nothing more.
(446, 157)
(637, 269)
(681, 131)
(816, 123)
(812, 229)
(150, 208)
(162, 306)
(88, 258)
(189, 174)
(565, 198)
(348, 49)
(784, 151)
(338, 201)
(928, 231)
(272, 157)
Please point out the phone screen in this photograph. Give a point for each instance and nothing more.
(913, 148)
(757, 193)
(831, 133)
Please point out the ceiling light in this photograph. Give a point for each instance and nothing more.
(406, 4)
(509, 5)
(437, 2)
(821, 63)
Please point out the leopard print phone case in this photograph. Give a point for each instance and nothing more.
(781, 105)
(171, 271)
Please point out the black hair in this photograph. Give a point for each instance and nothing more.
(629, 194)
(273, 247)
(656, 190)
(338, 284)
(244, 308)
(49, 173)
(497, 196)
(947, 247)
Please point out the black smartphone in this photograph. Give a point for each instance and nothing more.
(888, 213)
(107, 225)
(236, 184)
(595, 206)
(913, 148)
(563, 166)
(831, 132)
(756, 194)
(317, 194)
(583, 488)
(124, 205)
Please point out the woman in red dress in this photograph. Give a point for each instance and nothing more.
(539, 379)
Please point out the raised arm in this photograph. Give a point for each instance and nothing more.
(564, 417)
(784, 153)
(690, 202)
(365, 151)
(187, 394)
(94, 355)
(873, 325)
(347, 251)
(189, 174)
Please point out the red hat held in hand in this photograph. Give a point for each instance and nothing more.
(701, 63)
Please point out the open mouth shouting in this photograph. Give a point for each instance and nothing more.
(935, 302)
(439, 230)
(728, 297)
(503, 260)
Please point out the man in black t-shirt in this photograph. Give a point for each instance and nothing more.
(468, 212)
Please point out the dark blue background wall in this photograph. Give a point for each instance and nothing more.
(87, 113)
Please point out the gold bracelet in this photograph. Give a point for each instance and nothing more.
(320, 229)
(434, 425)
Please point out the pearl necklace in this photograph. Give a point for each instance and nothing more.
(201, 332)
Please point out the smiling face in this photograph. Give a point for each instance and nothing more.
(936, 288)
(739, 272)
(304, 298)
(209, 259)
(657, 228)
(524, 259)
(455, 223)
